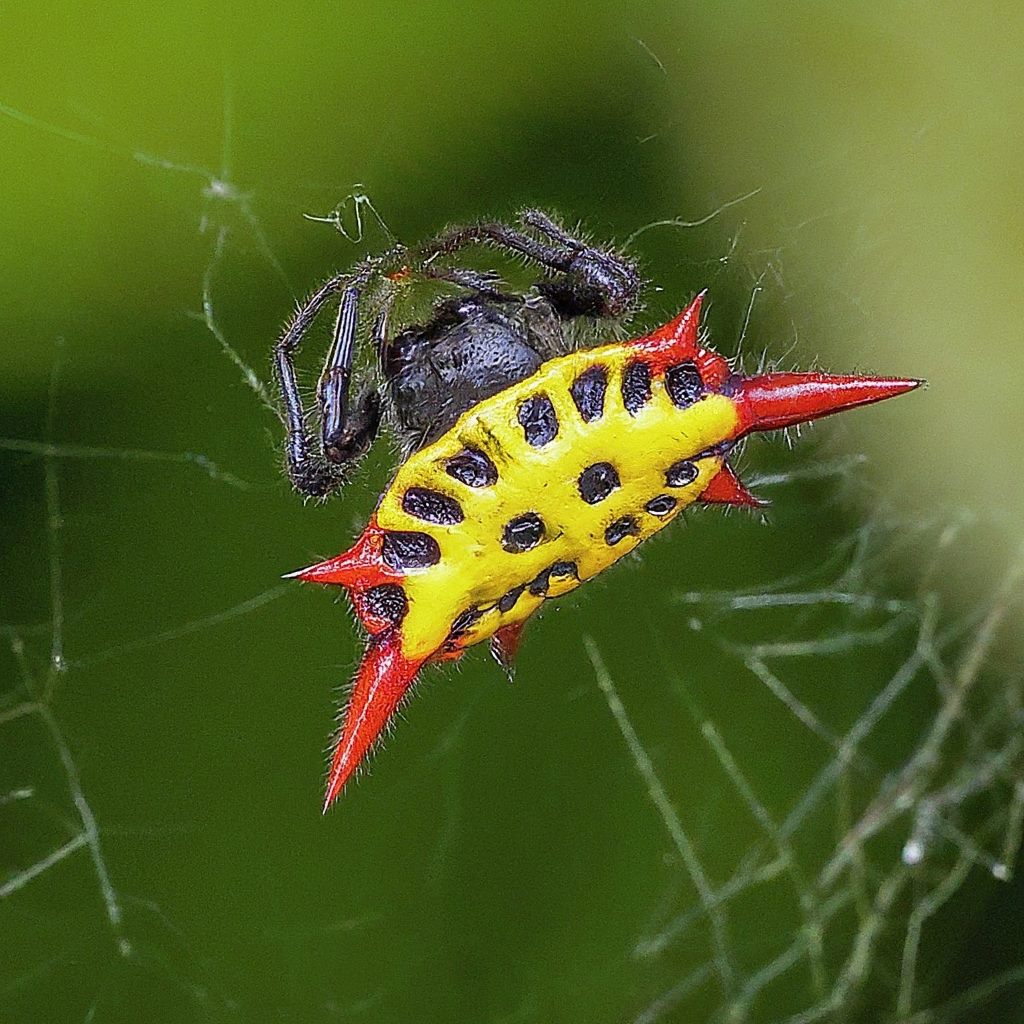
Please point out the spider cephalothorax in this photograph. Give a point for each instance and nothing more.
(530, 467)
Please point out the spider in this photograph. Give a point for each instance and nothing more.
(528, 465)
(476, 344)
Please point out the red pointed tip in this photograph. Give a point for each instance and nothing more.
(725, 488)
(683, 329)
(338, 570)
(677, 342)
(333, 570)
(361, 566)
(383, 679)
(680, 333)
(775, 400)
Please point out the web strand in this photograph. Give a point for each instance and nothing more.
(925, 798)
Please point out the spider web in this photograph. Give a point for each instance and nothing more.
(908, 834)
(222, 210)
(911, 825)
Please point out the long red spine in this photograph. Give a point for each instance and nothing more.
(382, 681)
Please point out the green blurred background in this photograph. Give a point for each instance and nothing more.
(503, 861)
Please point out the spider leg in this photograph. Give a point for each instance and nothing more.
(588, 280)
(484, 283)
(540, 221)
(584, 280)
(379, 332)
(502, 236)
(345, 433)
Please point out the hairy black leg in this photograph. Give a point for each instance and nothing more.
(379, 332)
(332, 390)
(484, 283)
(491, 233)
(540, 221)
(346, 432)
(317, 473)
(584, 280)
(592, 281)
(309, 474)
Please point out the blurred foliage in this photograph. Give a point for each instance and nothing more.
(852, 174)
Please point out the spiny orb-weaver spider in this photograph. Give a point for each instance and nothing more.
(529, 465)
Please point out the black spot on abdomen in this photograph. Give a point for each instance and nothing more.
(681, 473)
(472, 468)
(661, 505)
(432, 506)
(622, 528)
(464, 621)
(523, 533)
(538, 419)
(683, 384)
(388, 601)
(588, 392)
(406, 550)
(561, 570)
(508, 601)
(596, 482)
(636, 386)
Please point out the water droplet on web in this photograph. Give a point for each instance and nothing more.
(913, 852)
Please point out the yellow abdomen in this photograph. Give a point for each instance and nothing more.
(543, 486)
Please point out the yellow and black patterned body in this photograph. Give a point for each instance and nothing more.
(557, 499)
(540, 487)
